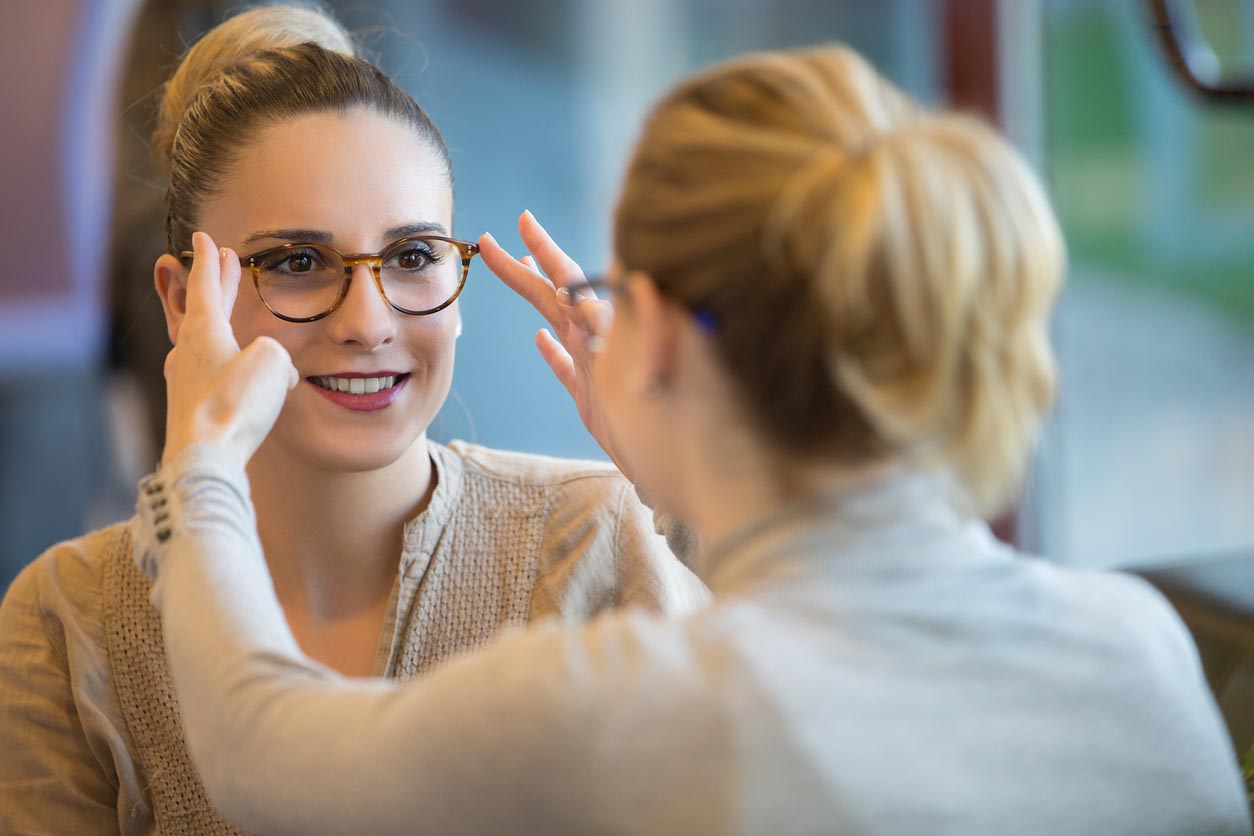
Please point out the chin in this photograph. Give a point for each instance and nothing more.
(360, 458)
(659, 493)
(340, 450)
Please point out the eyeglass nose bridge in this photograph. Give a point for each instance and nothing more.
(351, 262)
(354, 260)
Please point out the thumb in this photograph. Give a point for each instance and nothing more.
(263, 365)
(259, 378)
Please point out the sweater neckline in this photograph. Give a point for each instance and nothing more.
(904, 523)
(423, 531)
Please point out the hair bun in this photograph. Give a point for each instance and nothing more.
(233, 42)
(912, 256)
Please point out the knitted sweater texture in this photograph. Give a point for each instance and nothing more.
(88, 713)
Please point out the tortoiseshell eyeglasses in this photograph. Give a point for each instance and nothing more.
(418, 275)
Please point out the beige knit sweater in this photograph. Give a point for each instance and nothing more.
(90, 725)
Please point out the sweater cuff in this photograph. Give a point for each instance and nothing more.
(162, 512)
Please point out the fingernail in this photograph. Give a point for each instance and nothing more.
(222, 253)
(488, 235)
(564, 297)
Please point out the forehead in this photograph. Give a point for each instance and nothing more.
(352, 174)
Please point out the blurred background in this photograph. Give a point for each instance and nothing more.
(1149, 460)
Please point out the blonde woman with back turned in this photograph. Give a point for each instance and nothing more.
(828, 355)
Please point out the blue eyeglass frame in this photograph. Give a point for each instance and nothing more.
(705, 317)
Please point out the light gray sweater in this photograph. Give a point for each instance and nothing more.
(880, 666)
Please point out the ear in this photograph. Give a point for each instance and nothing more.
(658, 325)
(170, 278)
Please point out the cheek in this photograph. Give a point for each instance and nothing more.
(428, 346)
(433, 337)
(250, 320)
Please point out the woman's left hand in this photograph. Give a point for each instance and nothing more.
(216, 392)
(568, 349)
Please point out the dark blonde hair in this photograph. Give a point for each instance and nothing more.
(880, 277)
(264, 65)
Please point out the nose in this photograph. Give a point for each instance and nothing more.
(364, 318)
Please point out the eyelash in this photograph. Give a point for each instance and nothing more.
(426, 250)
(284, 258)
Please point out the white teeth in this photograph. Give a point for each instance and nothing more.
(356, 385)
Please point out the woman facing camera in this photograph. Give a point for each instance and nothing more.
(389, 553)
(828, 354)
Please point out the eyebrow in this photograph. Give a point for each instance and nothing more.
(415, 229)
(310, 236)
(317, 236)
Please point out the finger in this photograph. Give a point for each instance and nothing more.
(523, 279)
(599, 315)
(229, 271)
(590, 315)
(204, 287)
(568, 297)
(558, 359)
(561, 268)
(509, 269)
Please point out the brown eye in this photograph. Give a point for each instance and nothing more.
(292, 262)
(411, 259)
(414, 257)
(300, 264)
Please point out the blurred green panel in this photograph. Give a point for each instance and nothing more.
(1152, 186)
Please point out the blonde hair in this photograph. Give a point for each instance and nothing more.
(263, 65)
(878, 277)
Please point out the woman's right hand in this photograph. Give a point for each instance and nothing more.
(568, 349)
(217, 393)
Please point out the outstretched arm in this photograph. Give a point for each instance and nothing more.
(286, 746)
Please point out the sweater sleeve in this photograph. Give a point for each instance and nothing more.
(285, 745)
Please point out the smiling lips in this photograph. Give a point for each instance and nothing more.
(356, 385)
(360, 392)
